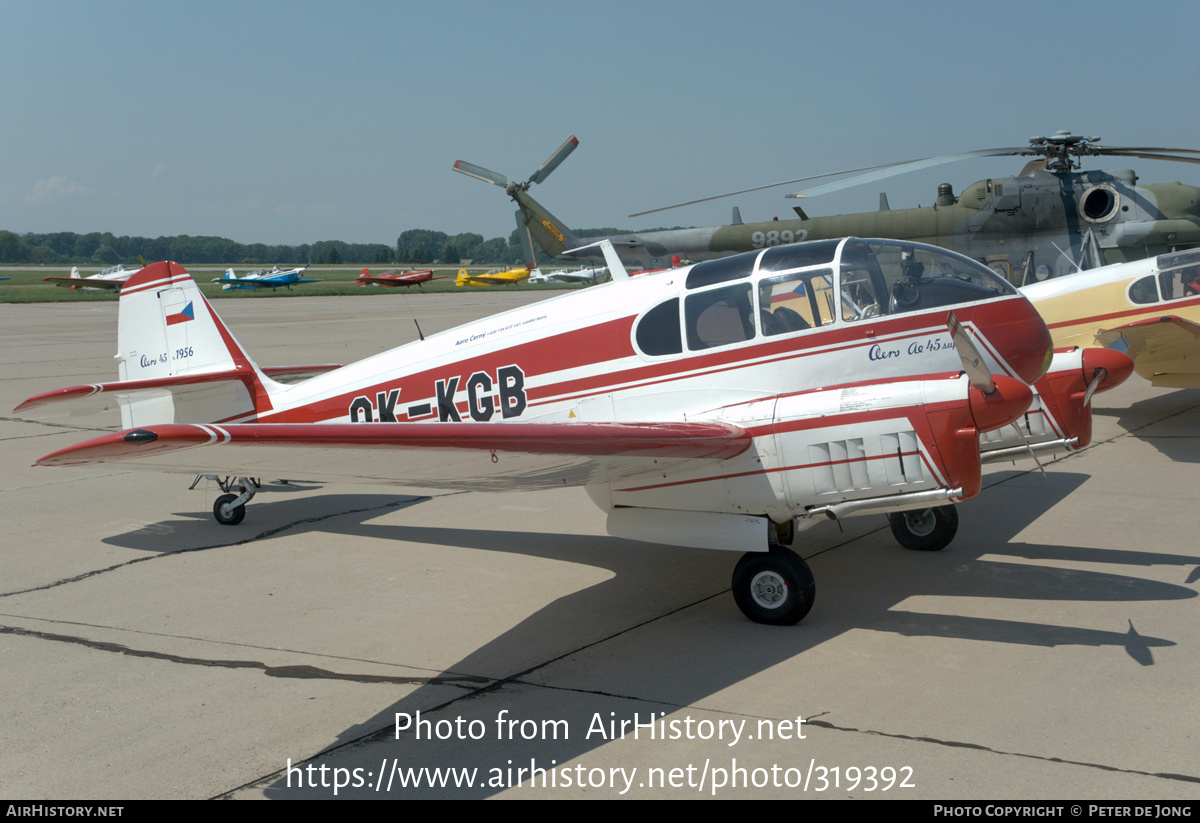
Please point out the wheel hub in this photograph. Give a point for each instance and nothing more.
(920, 523)
(769, 590)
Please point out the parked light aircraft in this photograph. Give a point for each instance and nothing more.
(263, 279)
(1149, 309)
(493, 278)
(412, 277)
(593, 275)
(110, 278)
(723, 405)
(1048, 221)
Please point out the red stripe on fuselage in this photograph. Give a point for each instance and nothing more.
(609, 341)
(1149, 308)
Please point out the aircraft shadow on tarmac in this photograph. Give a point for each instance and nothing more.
(1169, 422)
(861, 580)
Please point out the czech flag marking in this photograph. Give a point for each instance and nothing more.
(184, 316)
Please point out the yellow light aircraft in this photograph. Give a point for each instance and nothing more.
(492, 278)
(1149, 309)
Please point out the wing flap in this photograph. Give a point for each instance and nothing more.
(475, 456)
(1152, 332)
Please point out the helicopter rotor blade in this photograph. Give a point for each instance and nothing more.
(872, 173)
(910, 165)
(1107, 149)
(1054, 151)
(1150, 156)
(560, 154)
(480, 173)
(758, 188)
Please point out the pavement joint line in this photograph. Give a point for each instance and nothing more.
(215, 642)
(302, 672)
(84, 479)
(495, 685)
(53, 425)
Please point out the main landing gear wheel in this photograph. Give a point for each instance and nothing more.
(925, 530)
(231, 516)
(774, 587)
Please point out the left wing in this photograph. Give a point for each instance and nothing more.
(1165, 350)
(473, 456)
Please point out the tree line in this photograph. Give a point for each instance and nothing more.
(413, 246)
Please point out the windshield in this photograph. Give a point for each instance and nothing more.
(881, 277)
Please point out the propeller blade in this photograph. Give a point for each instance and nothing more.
(480, 173)
(1029, 448)
(552, 162)
(909, 165)
(1097, 379)
(972, 360)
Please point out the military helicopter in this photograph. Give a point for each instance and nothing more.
(1051, 219)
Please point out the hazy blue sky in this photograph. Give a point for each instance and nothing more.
(291, 122)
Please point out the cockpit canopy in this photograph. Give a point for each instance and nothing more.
(793, 288)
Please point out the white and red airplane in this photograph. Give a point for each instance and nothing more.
(110, 278)
(412, 277)
(723, 405)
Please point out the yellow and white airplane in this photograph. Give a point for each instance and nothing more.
(492, 278)
(1149, 309)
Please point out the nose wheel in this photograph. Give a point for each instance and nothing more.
(774, 587)
(925, 530)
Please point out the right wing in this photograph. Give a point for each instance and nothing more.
(1165, 350)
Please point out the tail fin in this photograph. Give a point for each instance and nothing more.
(168, 333)
(549, 232)
(75, 273)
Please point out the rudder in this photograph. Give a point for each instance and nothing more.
(168, 329)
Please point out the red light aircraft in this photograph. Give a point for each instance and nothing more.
(396, 278)
(724, 405)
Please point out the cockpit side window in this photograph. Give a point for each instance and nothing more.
(1179, 283)
(796, 301)
(719, 317)
(658, 330)
(1144, 291)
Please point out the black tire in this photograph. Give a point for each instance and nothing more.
(774, 587)
(925, 530)
(239, 513)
